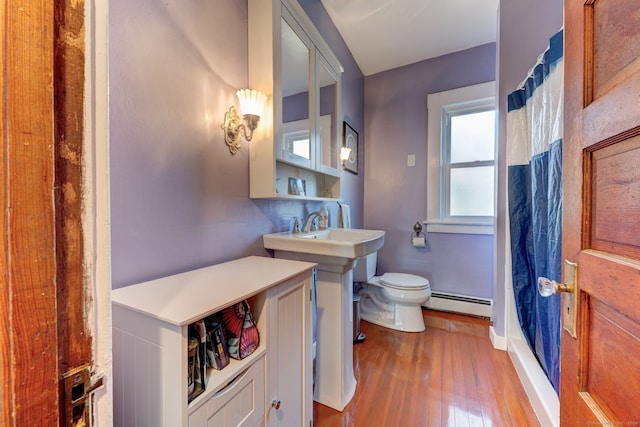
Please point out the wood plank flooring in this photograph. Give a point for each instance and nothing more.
(448, 375)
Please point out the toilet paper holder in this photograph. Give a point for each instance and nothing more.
(418, 238)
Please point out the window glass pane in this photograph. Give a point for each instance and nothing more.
(471, 191)
(473, 137)
(301, 148)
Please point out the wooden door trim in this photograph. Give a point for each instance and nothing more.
(5, 354)
(29, 329)
(69, 86)
(41, 162)
(74, 335)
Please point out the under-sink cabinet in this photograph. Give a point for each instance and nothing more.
(271, 387)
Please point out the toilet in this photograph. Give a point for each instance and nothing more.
(392, 300)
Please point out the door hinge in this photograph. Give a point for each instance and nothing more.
(78, 386)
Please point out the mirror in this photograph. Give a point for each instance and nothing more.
(327, 125)
(296, 143)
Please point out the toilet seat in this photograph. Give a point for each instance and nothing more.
(402, 281)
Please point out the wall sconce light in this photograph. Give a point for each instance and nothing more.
(345, 152)
(251, 104)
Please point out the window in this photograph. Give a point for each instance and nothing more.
(299, 144)
(461, 166)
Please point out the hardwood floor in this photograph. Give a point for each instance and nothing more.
(448, 375)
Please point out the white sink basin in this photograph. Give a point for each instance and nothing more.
(350, 243)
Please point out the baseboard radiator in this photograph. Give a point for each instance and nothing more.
(460, 304)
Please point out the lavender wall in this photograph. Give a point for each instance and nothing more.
(395, 194)
(520, 41)
(179, 199)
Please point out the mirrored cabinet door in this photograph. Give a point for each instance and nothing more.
(327, 125)
(295, 146)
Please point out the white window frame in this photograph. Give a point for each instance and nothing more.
(439, 104)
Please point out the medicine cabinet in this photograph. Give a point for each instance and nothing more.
(294, 153)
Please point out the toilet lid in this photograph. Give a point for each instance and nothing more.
(404, 281)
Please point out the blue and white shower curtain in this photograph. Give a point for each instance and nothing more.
(534, 151)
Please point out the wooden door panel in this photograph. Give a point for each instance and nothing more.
(609, 43)
(614, 195)
(608, 374)
(611, 65)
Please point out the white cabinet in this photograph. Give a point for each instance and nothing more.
(301, 133)
(150, 331)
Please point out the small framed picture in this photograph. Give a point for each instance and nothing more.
(350, 140)
(297, 186)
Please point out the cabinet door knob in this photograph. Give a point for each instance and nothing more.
(275, 404)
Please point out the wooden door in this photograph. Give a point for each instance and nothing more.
(600, 369)
(44, 299)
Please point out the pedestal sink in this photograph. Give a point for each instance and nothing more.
(335, 250)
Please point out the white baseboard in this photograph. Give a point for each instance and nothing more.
(499, 342)
(542, 396)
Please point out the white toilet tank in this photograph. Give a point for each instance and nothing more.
(365, 268)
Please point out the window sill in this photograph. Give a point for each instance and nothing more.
(458, 227)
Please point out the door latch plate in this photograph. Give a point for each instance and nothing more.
(570, 300)
(77, 390)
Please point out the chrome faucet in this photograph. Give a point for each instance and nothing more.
(310, 225)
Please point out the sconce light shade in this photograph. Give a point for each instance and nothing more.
(252, 106)
(345, 152)
(251, 101)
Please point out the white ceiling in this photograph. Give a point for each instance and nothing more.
(385, 34)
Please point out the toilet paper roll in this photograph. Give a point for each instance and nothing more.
(418, 242)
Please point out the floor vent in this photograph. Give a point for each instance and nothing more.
(460, 304)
